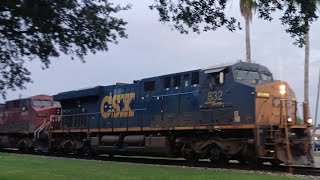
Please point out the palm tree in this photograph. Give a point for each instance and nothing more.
(306, 59)
(306, 68)
(246, 8)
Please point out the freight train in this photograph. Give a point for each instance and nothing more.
(226, 112)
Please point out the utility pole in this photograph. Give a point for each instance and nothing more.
(317, 104)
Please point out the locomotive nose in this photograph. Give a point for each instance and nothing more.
(276, 107)
(275, 102)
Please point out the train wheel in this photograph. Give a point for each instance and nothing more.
(252, 158)
(189, 155)
(275, 162)
(22, 146)
(87, 152)
(216, 156)
(242, 161)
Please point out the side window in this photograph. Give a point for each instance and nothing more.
(177, 81)
(16, 103)
(149, 86)
(186, 76)
(186, 80)
(25, 105)
(194, 78)
(166, 82)
(118, 91)
(215, 78)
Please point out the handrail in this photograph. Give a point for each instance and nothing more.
(258, 128)
(43, 126)
(36, 131)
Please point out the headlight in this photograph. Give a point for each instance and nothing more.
(309, 121)
(282, 89)
(289, 120)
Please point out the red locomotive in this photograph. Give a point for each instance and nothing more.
(24, 122)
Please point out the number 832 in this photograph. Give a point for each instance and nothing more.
(215, 96)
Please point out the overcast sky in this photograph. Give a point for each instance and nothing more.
(154, 49)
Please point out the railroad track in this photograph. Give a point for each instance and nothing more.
(302, 170)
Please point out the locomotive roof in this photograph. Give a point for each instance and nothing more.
(241, 65)
(30, 97)
(84, 92)
(251, 67)
(219, 66)
(94, 91)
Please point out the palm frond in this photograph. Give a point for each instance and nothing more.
(247, 7)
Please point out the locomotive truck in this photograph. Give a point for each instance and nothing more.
(226, 112)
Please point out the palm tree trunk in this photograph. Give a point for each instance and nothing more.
(306, 69)
(248, 48)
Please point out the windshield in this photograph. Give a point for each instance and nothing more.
(251, 75)
(248, 75)
(266, 77)
(42, 103)
(56, 104)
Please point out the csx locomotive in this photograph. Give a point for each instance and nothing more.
(234, 111)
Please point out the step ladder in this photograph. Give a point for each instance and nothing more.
(270, 143)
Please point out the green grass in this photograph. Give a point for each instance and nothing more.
(45, 168)
(317, 154)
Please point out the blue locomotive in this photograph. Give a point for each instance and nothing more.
(232, 111)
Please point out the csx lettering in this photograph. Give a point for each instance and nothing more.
(215, 96)
(117, 106)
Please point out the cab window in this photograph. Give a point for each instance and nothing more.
(247, 75)
(266, 77)
(216, 78)
(41, 103)
(56, 104)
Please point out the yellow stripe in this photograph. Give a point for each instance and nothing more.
(302, 126)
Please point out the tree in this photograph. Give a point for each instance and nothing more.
(305, 9)
(204, 15)
(246, 8)
(45, 29)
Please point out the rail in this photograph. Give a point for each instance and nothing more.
(68, 120)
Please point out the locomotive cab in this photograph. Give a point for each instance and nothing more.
(45, 110)
(245, 96)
